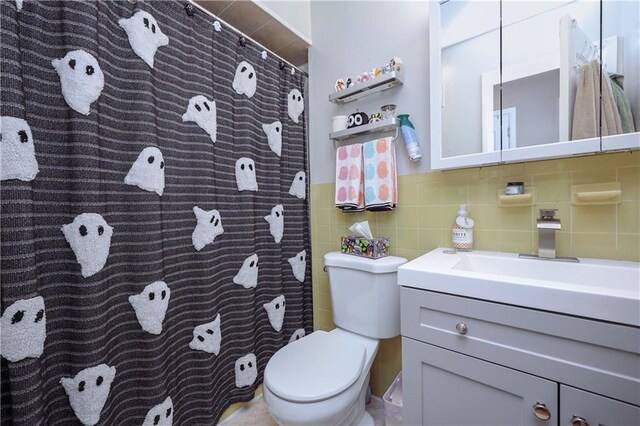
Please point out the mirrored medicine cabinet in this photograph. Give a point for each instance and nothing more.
(512, 81)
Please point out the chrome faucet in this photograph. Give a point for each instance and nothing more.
(547, 225)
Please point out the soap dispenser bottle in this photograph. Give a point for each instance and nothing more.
(462, 231)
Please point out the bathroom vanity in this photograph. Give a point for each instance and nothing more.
(489, 338)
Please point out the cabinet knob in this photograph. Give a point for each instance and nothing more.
(541, 411)
(462, 328)
(578, 421)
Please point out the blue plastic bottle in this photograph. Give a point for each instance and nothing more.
(410, 138)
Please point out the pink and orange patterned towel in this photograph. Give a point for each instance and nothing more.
(380, 176)
(349, 178)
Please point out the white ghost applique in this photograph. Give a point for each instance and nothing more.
(295, 105)
(24, 329)
(217, 26)
(88, 392)
(207, 337)
(81, 79)
(245, 80)
(297, 335)
(276, 222)
(209, 226)
(246, 370)
(17, 150)
(89, 236)
(147, 172)
(202, 111)
(160, 415)
(151, 306)
(299, 265)
(246, 175)
(19, 5)
(247, 276)
(275, 311)
(274, 136)
(299, 185)
(144, 35)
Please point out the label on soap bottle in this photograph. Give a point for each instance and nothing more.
(462, 238)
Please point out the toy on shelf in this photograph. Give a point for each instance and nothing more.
(394, 65)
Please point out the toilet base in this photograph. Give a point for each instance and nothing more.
(365, 420)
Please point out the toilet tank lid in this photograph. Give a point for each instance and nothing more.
(376, 266)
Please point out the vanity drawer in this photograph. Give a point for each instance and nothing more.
(593, 355)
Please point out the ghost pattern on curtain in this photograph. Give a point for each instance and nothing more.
(89, 235)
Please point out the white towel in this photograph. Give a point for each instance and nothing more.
(380, 175)
(349, 179)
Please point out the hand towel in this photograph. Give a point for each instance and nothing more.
(380, 176)
(622, 103)
(586, 111)
(349, 179)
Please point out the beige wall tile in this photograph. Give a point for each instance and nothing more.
(516, 218)
(629, 177)
(429, 239)
(628, 247)
(484, 191)
(593, 176)
(552, 187)
(515, 241)
(629, 217)
(429, 194)
(594, 218)
(596, 245)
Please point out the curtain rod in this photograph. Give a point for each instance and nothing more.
(237, 31)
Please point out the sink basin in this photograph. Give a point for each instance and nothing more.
(600, 289)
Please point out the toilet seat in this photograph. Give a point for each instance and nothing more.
(314, 368)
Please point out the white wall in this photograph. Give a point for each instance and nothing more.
(295, 13)
(352, 37)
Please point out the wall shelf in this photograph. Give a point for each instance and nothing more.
(375, 85)
(596, 194)
(381, 126)
(519, 200)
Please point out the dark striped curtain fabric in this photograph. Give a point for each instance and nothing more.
(147, 278)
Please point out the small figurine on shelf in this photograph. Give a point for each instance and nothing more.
(364, 77)
(340, 85)
(349, 83)
(386, 69)
(357, 119)
(396, 64)
(377, 72)
(358, 79)
(376, 116)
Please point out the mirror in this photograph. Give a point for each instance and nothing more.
(621, 62)
(520, 80)
(550, 85)
(470, 48)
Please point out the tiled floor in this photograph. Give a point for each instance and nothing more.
(255, 414)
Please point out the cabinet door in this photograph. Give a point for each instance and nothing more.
(580, 408)
(443, 387)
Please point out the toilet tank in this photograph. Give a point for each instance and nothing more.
(365, 295)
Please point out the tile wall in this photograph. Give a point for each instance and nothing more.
(428, 204)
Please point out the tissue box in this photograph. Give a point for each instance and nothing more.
(373, 248)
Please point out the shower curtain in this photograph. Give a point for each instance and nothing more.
(155, 221)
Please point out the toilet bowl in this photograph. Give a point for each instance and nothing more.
(322, 379)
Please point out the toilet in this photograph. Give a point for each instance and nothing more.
(322, 379)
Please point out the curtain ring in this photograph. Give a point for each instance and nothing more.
(242, 41)
(281, 65)
(190, 9)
